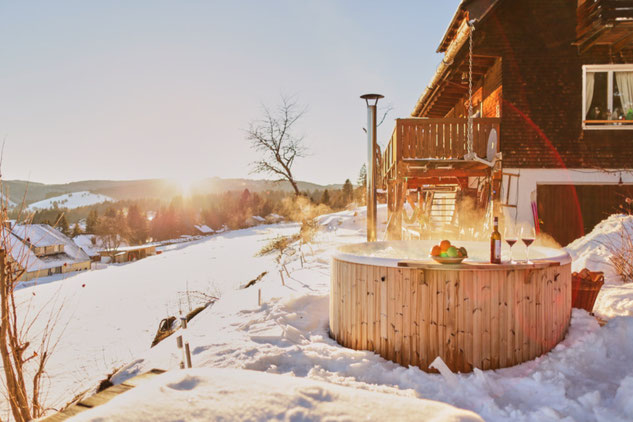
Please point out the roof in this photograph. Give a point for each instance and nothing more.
(203, 228)
(22, 251)
(471, 9)
(452, 44)
(130, 248)
(85, 242)
(40, 235)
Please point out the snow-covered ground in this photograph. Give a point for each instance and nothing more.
(111, 316)
(70, 201)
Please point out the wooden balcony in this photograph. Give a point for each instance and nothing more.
(422, 147)
(606, 22)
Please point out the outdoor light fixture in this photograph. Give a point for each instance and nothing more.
(372, 102)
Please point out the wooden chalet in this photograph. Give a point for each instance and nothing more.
(551, 115)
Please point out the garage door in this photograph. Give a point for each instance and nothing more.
(568, 212)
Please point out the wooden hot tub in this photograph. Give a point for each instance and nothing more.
(388, 297)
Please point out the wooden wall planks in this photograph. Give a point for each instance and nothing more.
(485, 318)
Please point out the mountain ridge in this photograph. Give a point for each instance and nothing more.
(30, 192)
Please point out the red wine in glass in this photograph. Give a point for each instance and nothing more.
(527, 237)
(511, 242)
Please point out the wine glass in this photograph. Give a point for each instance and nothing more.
(527, 237)
(509, 234)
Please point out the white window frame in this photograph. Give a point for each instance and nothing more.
(609, 68)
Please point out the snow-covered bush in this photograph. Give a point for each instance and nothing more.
(621, 250)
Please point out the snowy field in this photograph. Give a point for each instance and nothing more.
(276, 361)
(70, 201)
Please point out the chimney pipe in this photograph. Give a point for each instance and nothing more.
(372, 101)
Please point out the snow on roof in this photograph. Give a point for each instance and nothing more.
(131, 248)
(203, 228)
(71, 200)
(85, 242)
(42, 235)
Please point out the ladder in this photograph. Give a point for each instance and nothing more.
(443, 203)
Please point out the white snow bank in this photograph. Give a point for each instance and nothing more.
(591, 251)
(208, 394)
(70, 200)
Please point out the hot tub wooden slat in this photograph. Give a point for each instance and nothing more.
(406, 318)
(494, 321)
(423, 319)
(487, 315)
(415, 333)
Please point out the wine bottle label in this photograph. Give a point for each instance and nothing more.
(497, 250)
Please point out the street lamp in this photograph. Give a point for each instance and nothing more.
(372, 101)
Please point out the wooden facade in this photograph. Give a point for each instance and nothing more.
(528, 64)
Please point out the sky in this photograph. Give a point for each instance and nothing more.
(124, 90)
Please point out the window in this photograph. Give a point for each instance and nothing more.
(607, 96)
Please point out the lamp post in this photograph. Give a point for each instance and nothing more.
(372, 101)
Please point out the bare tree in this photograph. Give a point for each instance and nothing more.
(385, 110)
(273, 138)
(111, 229)
(23, 363)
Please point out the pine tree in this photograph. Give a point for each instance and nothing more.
(348, 191)
(62, 224)
(92, 221)
(362, 176)
(76, 230)
(325, 198)
(137, 223)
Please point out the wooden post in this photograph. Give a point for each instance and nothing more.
(259, 297)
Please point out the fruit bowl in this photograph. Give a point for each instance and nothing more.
(445, 253)
(446, 260)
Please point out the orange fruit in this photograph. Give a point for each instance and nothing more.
(444, 245)
(436, 251)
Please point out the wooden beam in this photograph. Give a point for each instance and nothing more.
(589, 42)
(626, 41)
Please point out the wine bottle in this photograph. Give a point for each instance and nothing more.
(495, 244)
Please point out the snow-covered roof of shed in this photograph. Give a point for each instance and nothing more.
(203, 228)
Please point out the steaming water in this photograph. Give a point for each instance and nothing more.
(389, 253)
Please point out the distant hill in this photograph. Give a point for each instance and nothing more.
(70, 201)
(33, 192)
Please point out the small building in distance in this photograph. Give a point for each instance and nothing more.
(254, 220)
(204, 230)
(92, 244)
(42, 251)
(274, 218)
(127, 253)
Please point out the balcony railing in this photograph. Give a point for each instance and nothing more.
(435, 139)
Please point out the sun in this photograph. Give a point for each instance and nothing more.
(185, 183)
